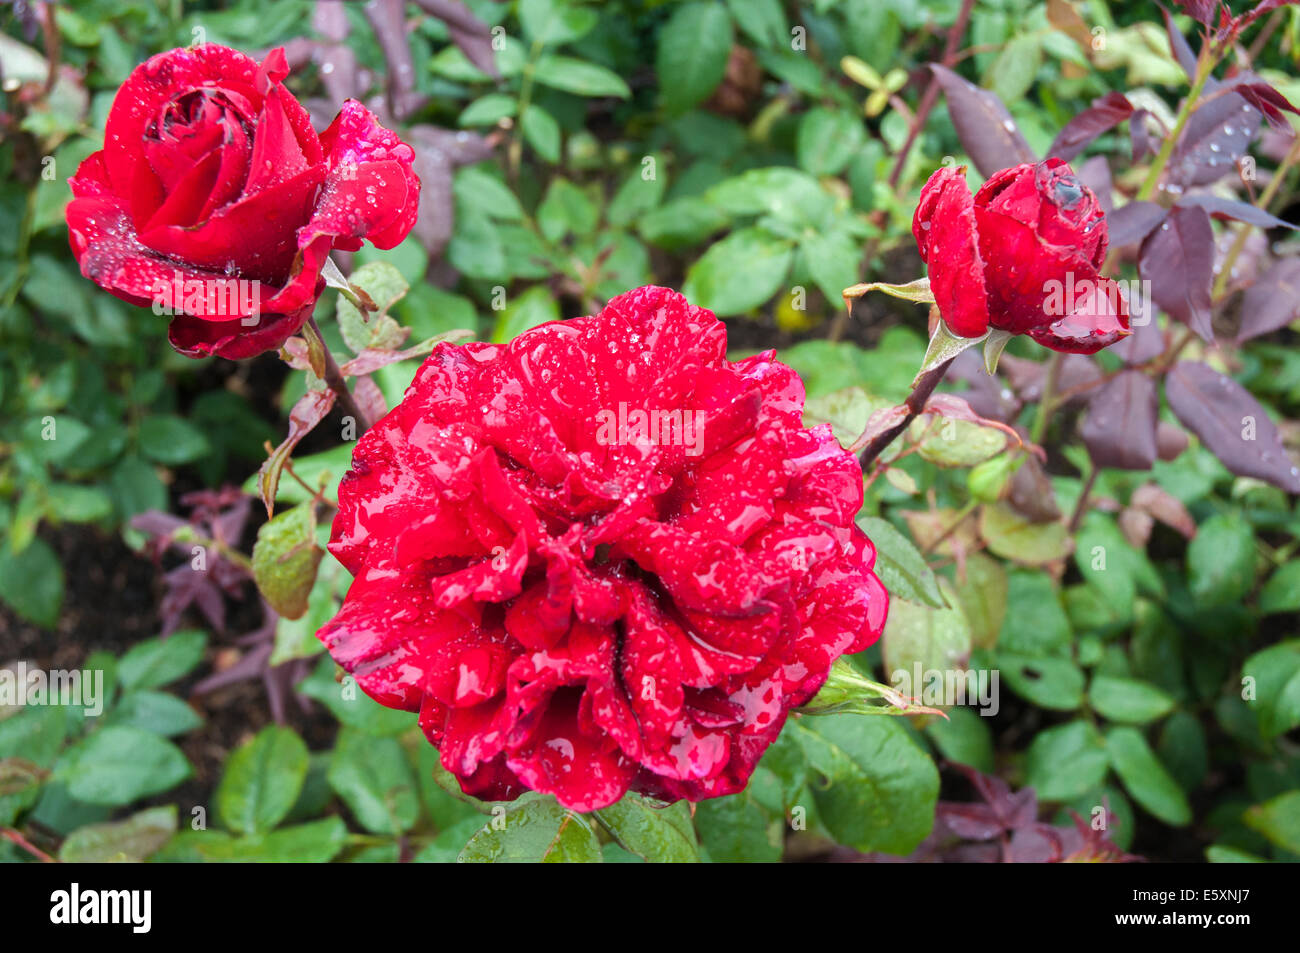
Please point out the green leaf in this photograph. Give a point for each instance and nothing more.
(262, 780)
(635, 197)
(1274, 675)
(874, 788)
(130, 840)
(1015, 69)
(314, 843)
(350, 705)
(657, 833)
(488, 110)
(69, 503)
(736, 830)
(117, 765)
(1013, 537)
(1282, 591)
(31, 582)
(833, 259)
(828, 139)
(739, 273)
(784, 193)
(525, 311)
(938, 640)
(286, 559)
(1145, 778)
(386, 286)
(957, 443)
(1278, 820)
(1038, 626)
(158, 712)
(172, 440)
(1221, 561)
(374, 778)
(542, 132)
(579, 77)
(692, 54)
(534, 831)
(1128, 700)
(479, 191)
(555, 21)
(157, 662)
(1066, 761)
(900, 565)
(566, 210)
(964, 737)
(763, 20)
(1054, 683)
(983, 597)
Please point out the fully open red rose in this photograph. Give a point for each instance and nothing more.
(214, 199)
(602, 557)
(1021, 255)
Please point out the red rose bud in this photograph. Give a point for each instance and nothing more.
(602, 557)
(215, 200)
(1021, 255)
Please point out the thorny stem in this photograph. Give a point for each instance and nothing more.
(1243, 231)
(1204, 67)
(337, 383)
(915, 405)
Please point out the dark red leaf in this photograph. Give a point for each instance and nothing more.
(986, 130)
(1268, 101)
(1232, 423)
(1120, 428)
(1104, 113)
(1144, 144)
(1178, 259)
(1213, 141)
(1146, 341)
(1222, 208)
(1095, 174)
(1272, 302)
(1131, 223)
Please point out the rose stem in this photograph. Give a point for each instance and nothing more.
(1243, 233)
(1204, 67)
(1045, 402)
(334, 378)
(1077, 516)
(915, 404)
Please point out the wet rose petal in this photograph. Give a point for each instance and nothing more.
(602, 557)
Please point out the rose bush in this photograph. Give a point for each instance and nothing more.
(581, 608)
(212, 185)
(1009, 256)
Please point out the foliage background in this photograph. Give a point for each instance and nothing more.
(770, 193)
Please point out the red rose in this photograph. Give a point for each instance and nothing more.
(602, 557)
(1022, 255)
(215, 200)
